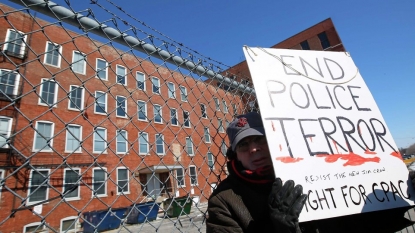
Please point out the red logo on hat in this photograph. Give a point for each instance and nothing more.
(242, 122)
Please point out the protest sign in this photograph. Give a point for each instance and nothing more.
(326, 132)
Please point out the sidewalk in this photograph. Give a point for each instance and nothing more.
(193, 222)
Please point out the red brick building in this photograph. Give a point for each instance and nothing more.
(101, 125)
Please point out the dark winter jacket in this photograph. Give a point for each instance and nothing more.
(241, 205)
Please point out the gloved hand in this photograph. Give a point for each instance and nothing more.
(286, 203)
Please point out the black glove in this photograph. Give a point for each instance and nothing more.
(412, 177)
(286, 203)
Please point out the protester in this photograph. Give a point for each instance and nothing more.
(251, 199)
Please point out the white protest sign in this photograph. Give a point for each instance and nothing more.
(326, 132)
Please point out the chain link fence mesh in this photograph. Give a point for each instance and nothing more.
(108, 124)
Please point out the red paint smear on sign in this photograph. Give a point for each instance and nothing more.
(368, 152)
(272, 124)
(288, 159)
(311, 139)
(280, 147)
(335, 145)
(352, 159)
(397, 154)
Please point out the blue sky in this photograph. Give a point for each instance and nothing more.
(379, 35)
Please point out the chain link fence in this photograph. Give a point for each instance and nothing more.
(106, 124)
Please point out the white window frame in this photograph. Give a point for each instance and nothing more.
(55, 95)
(101, 93)
(78, 196)
(221, 129)
(69, 218)
(125, 142)
(203, 111)
(174, 116)
(105, 141)
(206, 135)
(225, 106)
(32, 225)
(23, 46)
(9, 130)
(68, 134)
(190, 175)
(144, 108)
(235, 109)
(105, 182)
(155, 143)
(188, 119)
(51, 136)
(78, 61)
(217, 103)
(128, 180)
(98, 69)
(117, 74)
(146, 144)
(223, 148)
(153, 86)
(189, 146)
(16, 81)
(183, 178)
(29, 191)
(183, 94)
(82, 98)
(171, 90)
(208, 160)
(119, 106)
(155, 113)
(49, 53)
(144, 80)
(2, 175)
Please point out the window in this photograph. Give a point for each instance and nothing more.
(159, 144)
(123, 185)
(102, 69)
(142, 110)
(99, 186)
(325, 43)
(235, 110)
(220, 126)
(172, 90)
(157, 114)
(189, 146)
(121, 106)
(69, 224)
(9, 81)
(186, 119)
(100, 102)
(183, 93)
(53, 54)
(224, 148)
(48, 92)
(100, 140)
(71, 182)
(78, 62)
(15, 43)
(207, 135)
(38, 185)
(140, 77)
(121, 75)
(43, 136)
(193, 175)
(203, 110)
(76, 98)
(73, 138)
(143, 143)
(2, 173)
(217, 104)
(173, 117)
(33, 227)
(5, 131)
(227, 124)
(304, 45)
(225, 106)
(156, 85)
(211, 160)
(122, 145)
(180, 177)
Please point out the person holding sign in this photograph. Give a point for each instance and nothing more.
(251, 198)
